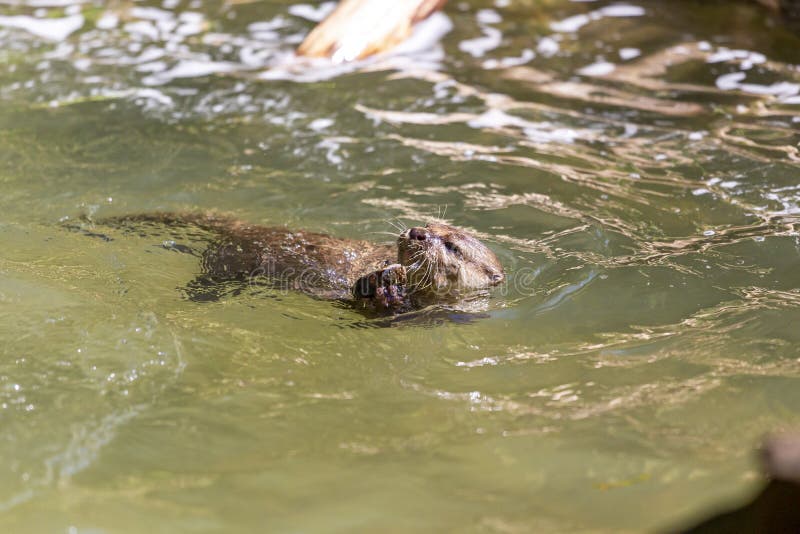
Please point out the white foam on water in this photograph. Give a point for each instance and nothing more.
(629, 53)
(724, 54)
(599, 68)
(190, 68)
(570, 24)
(488, 16)
(45, 3)
(538, 132)
(526, 56)
(320, 124)
(477, 47)
(50, 29)
(730, 81)
(491, 38)
(576, 22)
(267, 25)
(142, 28)
(622, 10)
(151, 13)
(107, 21)
(191, 23)
(784, 91)
(309, 12)
(548, 46)
(426, 35)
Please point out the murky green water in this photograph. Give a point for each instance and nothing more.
(636, 168)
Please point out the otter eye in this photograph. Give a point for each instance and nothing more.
(451, 247)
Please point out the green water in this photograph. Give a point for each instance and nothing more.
(647, 214)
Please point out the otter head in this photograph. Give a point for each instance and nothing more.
(447, 260)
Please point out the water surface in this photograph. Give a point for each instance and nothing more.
(635, 166)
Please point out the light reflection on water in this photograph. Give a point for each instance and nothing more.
(633, 165)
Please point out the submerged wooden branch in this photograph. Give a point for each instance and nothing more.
(360, 28)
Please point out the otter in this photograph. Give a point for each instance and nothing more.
(435, 263)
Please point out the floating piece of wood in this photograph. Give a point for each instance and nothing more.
(357, 29)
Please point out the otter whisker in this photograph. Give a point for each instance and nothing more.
(426, 280)
(413, 269)
(429, 274)
(415, 258)
(398, 225)
(392, 224)
(393, 234)
(425, 284)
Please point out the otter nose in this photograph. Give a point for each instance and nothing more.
(418, 233)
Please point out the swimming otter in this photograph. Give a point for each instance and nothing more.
(430, 264)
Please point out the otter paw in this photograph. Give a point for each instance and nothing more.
(390, 297)
(384, 288)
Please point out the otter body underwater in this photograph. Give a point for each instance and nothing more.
(434, 264)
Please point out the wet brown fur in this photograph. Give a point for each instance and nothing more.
(445, 265)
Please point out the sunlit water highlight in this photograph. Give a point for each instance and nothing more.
(635, 166)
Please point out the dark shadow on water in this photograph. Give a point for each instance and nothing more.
(80, 229)
(429, 317)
